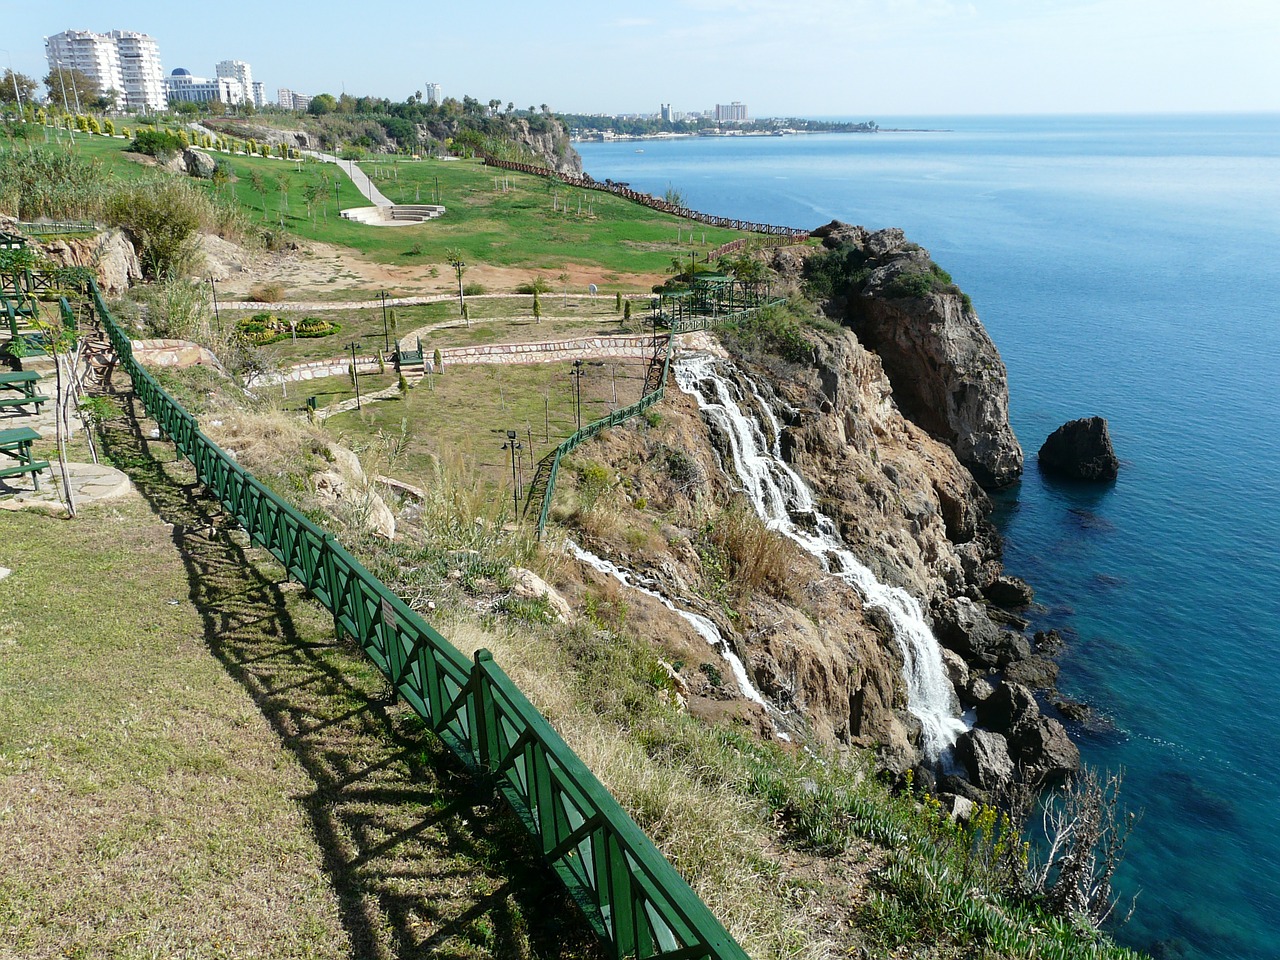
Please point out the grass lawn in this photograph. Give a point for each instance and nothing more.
(467, 412)
(192, 765)
(494, 217)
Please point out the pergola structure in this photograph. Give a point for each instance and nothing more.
(709, 295)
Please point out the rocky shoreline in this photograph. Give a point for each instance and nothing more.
(946, 378)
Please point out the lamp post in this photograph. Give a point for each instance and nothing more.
(355, 374)
(14, 77)
(577, 392)
(517, 481)
(386, 338)
(214, 287)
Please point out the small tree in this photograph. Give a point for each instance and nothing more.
(437, 361)
(617, 301)
(537, 308)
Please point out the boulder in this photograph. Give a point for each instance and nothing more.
(1080, 450)
(1008, 592)
(957, 669)
(963, 626)
(1036, 672)
(984, 755)
(530, 586)
(1043, 750)
(1011, 705)
(197, 163)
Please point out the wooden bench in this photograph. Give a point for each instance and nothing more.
(16, 445)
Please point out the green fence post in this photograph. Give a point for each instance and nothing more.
(484, 720)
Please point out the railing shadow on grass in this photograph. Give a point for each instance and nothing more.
(423, 859)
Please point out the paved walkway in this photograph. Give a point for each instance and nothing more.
(362, 182)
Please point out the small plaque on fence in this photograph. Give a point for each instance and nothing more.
(389, 617)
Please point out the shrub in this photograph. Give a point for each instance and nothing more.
(267, 292)
(473, 290)
(164, 217)
(156, 143)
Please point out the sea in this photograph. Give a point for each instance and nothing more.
(1127, 267)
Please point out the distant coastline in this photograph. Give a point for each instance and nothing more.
(607, 136)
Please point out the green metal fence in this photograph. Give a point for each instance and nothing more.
(543, 485)
(629, 893)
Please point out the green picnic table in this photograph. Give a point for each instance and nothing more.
(24, 383)
(16, 445)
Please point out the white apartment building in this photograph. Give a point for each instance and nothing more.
(242, 74)
(735, 112)
(290, 100)
(181, 85)
(434, 93)
(125, 61)
(259, 94)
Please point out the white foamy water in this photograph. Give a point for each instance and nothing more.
(705, 628)
(779, 494)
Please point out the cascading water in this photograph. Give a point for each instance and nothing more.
(704, 627)
(779, 493)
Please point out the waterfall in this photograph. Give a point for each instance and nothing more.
(778, 494)
(704, 627)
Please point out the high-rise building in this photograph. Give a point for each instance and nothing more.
(434, 93)
(290, 100)
(242, 74)
(665, 111)
(123, 61)
(259, 94)
(735, 112)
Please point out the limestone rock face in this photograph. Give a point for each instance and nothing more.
(1080, 450)
(947, 374)
(109, 254)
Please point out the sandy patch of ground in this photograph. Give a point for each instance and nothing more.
(319, 268)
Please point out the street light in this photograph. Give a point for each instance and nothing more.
(214, 287)
(14, 77)
(517, 481)
(577, 392)
(355, 374)
(386, 340)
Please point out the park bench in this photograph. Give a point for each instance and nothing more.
(24, 383)
(15, 444)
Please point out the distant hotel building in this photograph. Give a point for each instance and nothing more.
(182, 86)
(731, 112)
(289, 100)
(123, 60)
(434, 93)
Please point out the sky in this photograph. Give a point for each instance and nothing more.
(867, 59)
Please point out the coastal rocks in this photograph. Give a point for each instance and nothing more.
(1011, 593)
(947, 375)
(1080, 450)
(1038, 745)
(984, 755)
(964, 626)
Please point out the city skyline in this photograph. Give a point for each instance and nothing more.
(816, 58)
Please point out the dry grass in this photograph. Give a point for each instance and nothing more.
(147, 806)
(758, 558)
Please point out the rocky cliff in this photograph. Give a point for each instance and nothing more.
(947, 375)
(896, 462)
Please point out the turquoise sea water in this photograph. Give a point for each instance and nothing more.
(1125, 267)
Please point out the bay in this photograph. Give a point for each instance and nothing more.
(1125, 267)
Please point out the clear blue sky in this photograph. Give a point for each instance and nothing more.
(865, 58)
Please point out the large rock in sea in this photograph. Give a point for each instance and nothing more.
(1080, 450)
(984, 755)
